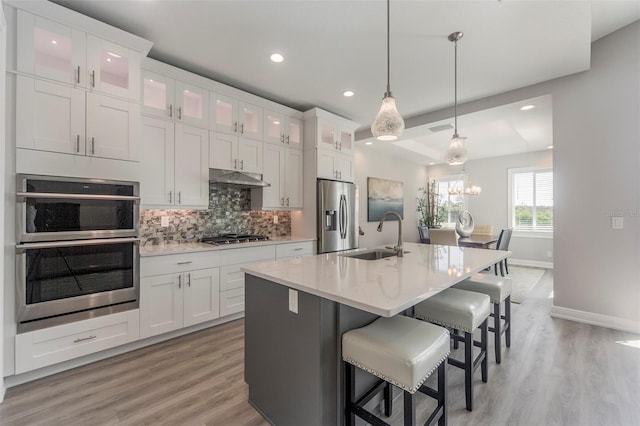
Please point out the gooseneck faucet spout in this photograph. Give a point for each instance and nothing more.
(398, 248)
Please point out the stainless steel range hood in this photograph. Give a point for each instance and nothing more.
(241, 179)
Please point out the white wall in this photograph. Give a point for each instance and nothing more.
(596, 163)
(491, 206)
(3, 97)
(369, 163)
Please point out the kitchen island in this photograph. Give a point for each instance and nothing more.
(296, 311)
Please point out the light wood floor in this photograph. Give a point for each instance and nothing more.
(556, 373)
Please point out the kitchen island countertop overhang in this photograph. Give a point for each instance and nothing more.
(384, 287)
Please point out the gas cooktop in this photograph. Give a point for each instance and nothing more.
(234, 239)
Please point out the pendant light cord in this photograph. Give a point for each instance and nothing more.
(455, 87)
(388, 54)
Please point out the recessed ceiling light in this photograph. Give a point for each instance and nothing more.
(54, 42)
(348, 93)
(527, 107)
(368, 143)
(550, 147)
(276, 57)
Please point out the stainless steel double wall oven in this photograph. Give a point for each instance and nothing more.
(78, 251)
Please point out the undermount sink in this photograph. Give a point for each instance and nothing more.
(374, 254)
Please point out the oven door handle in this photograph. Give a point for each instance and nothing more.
(76, 243)
(23, 195)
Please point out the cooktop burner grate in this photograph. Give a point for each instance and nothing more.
(234, 239)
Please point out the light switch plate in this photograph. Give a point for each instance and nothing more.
(293, 301)
(164, 221)
(617, 223)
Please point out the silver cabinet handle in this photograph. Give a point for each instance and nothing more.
(179, 113)
(179, 281)
(241, 164)
(340, 173)
(235, 127)
(297, 249)
(235, 163)
(170, 194)
(179, 197)
(282, 138)
(189, 279)
(242, 128)
(185, 263)
(287, 139)
(77, 143)
(93, 78)
(340, 146)
(171, 110)
(287, 201)
(83, 339)
(78, 77)
(282, 201)
(93, 146)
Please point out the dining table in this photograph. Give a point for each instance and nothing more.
(478, 241)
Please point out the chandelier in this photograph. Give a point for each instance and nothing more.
(463, 188)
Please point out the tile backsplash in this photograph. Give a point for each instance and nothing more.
(229, 211)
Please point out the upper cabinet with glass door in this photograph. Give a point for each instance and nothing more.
(281, 129)
(165, 97)
(334, 134)
(229, 115)
(61, 53)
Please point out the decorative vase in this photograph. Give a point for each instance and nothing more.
(464, 225)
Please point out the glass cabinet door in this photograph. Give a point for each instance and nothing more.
(109, 68)
(326, 134)
(274, 127)
(157, 95)
(224, 113)
(51, 50)
(250, 120)
(294, 132)
(346, 140)
(192, 103)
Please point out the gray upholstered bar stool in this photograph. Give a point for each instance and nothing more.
(465, 311)
(401, 351)
(499, 291)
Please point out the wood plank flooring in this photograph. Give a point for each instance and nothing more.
(556, 372)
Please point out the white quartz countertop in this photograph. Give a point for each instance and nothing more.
(384, 287)
(175, 248)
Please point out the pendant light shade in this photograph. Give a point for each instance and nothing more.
(388, 124)
(456, 153)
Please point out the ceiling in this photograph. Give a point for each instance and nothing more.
(330, 46)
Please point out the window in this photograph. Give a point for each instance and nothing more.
(450, 205)
(531, 200)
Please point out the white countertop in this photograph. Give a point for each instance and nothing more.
(384, 287)
(176, 247)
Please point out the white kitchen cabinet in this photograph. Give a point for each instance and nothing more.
(334, 134)
(229, 115)
(60, 118)
(178, 291)
(335, 165)
(295, 249)
(40, 348)
(59, 52)
(169, 98)
(281, 129)
(230, 152)
(174, 170)
(283, 170)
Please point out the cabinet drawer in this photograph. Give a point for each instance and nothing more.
(231, 301)
(303, 248)
(231, 276)
(247, 255)
(175, 263)
(41, 348)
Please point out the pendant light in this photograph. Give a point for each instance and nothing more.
(388, 124)
(457, 153)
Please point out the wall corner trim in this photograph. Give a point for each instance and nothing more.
(595, 319)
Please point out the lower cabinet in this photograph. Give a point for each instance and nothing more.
(171, 301)
(41, 348)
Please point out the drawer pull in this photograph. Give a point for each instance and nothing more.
(185, 263)
(82, 339)
(298, 249)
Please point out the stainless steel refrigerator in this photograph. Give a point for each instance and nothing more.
(337, 216)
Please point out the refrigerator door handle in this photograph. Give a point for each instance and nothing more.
(343, 225)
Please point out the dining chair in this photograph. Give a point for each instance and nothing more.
(482, 230)
(503, 244)
(423, 231)
(443, 237)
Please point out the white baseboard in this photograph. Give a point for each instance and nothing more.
(532, 263)
(595, 319)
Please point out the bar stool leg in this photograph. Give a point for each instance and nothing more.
(496, 331)
(409, 409)
(507, 317)
(442, 390)
(468, 369)
(484, 367)
(387, 400)
(350, 393)
(456, 344)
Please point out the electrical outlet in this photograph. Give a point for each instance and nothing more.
(164, 221)
(275, 218)
(617, 223)
(293, 301)
(549, 253)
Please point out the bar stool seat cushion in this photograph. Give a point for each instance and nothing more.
(400, 350)
(497, 288)
(459, 309)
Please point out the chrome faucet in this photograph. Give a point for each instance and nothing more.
(398, 248)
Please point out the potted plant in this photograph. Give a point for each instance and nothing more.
(428, 205)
